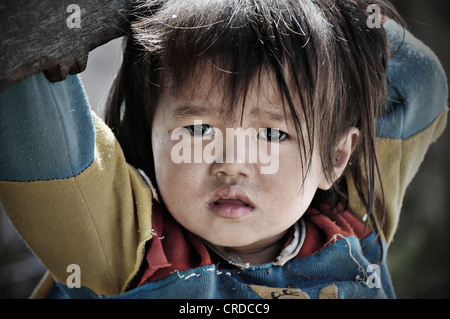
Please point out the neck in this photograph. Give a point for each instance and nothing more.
(261, 252)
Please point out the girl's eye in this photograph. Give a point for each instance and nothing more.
(200, 130)
(272, 134)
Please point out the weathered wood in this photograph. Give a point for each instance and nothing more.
(46, 35)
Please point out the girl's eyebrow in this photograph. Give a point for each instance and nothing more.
(188, 110)
(270, 114)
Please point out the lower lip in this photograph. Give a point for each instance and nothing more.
(230, 211)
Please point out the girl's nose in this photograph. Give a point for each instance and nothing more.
(239, 154)
(234, 170)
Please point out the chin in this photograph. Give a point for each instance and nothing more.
(232, 242)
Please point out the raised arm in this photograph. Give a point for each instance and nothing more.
(66, 187)
(414, 117)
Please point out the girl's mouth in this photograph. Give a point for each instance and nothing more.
(230, 203)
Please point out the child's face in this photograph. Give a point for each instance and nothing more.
(231, 204)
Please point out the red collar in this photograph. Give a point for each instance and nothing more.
(173, 248)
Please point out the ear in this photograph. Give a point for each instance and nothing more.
(342, 154)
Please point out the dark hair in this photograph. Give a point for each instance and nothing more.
(324, 49)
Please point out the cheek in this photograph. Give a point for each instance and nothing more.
(162, 146)
(164, 166)
(180, 189)
(179, 183)
(295, 192)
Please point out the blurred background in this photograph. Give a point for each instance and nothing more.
(419, 257)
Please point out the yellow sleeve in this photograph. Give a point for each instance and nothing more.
(99, 219)
(399, 160)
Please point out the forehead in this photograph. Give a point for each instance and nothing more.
(209, 89)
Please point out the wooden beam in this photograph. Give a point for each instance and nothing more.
(55, 37)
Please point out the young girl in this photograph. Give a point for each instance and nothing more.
(345, 109)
